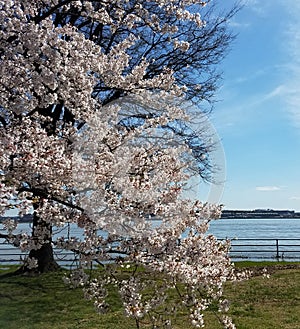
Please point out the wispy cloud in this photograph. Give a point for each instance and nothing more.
(276, 92)
(235, 24)
(291, 46)
(268, 188)
(257, 100)
(297, 198)
(285, 74)
(257, 74)
(257, 6)
(289, 41)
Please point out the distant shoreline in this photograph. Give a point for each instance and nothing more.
(226, 214)
(259, 214)
(23, 219)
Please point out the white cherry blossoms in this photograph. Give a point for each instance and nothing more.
(121, 176)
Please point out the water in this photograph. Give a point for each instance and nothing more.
(269, 238)
(278, 228)
(260, 239)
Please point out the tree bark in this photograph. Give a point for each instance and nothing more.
(44, 255)
(45, 259)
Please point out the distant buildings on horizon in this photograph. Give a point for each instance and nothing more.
(260, 214)
(227, 214)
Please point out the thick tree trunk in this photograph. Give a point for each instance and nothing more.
(45, 258)
(44, 255)
(45, 261)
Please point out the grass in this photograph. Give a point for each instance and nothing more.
(272, 303)
(45, 302)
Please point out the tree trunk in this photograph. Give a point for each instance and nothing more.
(44, 255)
(45, 259)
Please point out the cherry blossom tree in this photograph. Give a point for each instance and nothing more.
(94, 133)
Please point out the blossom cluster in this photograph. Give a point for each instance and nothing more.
(113, 169)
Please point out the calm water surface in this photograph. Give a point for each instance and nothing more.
(285, 228)
(273, 230)
(228, 228)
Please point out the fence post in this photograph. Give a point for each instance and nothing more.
(277, 249)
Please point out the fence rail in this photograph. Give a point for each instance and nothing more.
(250, 249)
(278, 249)
(10, 255)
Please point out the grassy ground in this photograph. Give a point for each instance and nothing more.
(272, 303)
(45, 302)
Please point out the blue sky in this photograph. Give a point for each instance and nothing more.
(258, 113)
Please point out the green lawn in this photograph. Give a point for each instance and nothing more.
(45, 302)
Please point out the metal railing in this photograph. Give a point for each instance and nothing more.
(241, 249)
(12, 256)
(277, 249)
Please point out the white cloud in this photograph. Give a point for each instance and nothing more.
(289, 69)
(234, 24)
(278, 91)
(254, 75)
(287, 91)
(297, 198)
(267, 188)
(259, 7)
(291, 45)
